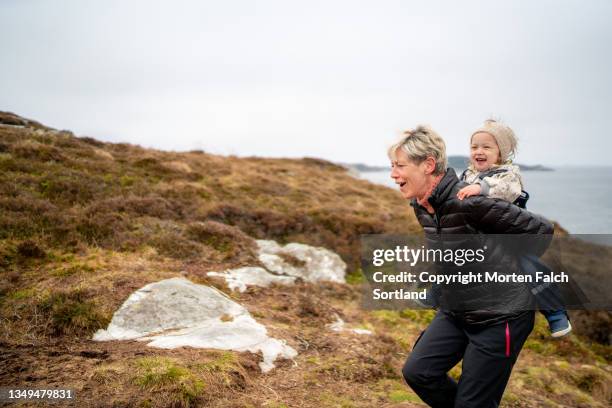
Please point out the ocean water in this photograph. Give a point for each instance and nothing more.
(578, 198)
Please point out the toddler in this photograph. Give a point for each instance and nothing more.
(491, 173)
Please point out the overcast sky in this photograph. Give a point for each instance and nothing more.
(331, 79)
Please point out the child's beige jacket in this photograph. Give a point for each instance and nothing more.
(506, 185)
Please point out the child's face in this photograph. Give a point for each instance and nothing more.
(484, 152)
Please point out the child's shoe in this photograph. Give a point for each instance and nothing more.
(559, 324)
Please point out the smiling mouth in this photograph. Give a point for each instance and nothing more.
(480, 160)
(402, 184)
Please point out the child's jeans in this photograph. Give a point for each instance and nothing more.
(547, 295)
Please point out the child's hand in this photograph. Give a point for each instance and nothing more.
(467, 191)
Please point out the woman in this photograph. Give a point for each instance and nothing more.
(488, 336)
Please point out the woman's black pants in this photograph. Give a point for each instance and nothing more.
(488, 355)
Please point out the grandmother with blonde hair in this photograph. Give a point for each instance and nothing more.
(486, 335)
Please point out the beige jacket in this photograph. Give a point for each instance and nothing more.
(506, 185)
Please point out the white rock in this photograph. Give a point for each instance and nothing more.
(320, 264)
(338, 326)
(176, 312)
(240, 278)
(362, 331)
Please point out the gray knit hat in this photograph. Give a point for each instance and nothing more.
(504, 136)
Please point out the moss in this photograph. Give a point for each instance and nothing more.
(394, 318)
(178, 384)
(395, 391)
(355, 278)
(225, 368)
(158, 371)
(418, 316)
(226, 361)
(168, 381)
(403, 396)
(387, 317)
(540, 347)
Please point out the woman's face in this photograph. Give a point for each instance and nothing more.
(484, 152)
(410, 177)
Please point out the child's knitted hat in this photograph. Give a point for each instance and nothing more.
(504, 136)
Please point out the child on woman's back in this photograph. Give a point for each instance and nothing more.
(491, 173)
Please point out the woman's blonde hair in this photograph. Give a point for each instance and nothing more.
(419, 144)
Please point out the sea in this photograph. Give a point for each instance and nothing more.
(578, 198)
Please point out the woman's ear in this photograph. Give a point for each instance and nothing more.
(430, 165)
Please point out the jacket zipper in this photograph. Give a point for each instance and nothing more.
(437, 221)
(507, 340)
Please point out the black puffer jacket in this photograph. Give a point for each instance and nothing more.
(488, 218)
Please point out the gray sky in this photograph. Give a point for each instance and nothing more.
(331, 79)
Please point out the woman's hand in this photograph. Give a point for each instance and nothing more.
(467, 191)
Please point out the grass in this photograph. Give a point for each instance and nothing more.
(23, 294)
(73, 270)
(355, 277)
(332, 400)
(403, 396)
(75, 191)
(178, 385)
(73, 313)
(395, 391)
(84, 223)
(394, 317)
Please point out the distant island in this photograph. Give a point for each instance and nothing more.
(457, 162)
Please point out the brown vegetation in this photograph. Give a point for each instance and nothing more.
(85, 223)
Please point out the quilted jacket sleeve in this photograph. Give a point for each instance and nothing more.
(495, 216)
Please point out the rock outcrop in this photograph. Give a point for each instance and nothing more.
(285, 264)
(176, 312)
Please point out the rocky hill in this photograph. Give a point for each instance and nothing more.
(84, 224)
